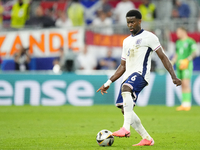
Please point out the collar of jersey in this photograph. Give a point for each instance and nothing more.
(138, 33)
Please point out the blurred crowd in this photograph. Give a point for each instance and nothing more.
(19, 14)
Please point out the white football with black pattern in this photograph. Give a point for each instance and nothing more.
(105, 138)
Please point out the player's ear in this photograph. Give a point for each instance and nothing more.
(139, 21)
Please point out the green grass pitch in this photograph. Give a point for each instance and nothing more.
(74, 128)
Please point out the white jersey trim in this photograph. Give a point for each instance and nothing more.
(157, 48)
(123, 58)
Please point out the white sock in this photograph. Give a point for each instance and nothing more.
(186, 104)
(137, 125)
(128, 108)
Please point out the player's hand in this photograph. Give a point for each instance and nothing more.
(177, 81)
(103, 89)
(183, 64)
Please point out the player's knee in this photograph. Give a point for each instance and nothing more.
(126, 88)
(185, 84)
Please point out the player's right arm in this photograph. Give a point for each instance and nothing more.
(118, 73)
(193, 47)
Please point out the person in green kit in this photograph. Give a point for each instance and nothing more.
(185, 53)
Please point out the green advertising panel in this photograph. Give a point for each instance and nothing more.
(80, 90)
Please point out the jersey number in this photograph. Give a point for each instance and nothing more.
(133, 78)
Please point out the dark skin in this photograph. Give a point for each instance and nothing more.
(134, 26)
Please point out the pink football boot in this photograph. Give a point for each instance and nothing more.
(122, 133)
(145, 142)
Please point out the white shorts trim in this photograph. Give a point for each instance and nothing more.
(129, 85)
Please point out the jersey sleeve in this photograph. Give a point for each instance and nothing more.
(123, 57)
(153, 42)
(193, 46)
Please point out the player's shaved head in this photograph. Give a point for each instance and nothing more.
(134, 13)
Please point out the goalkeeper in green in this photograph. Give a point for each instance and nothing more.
(185, 53)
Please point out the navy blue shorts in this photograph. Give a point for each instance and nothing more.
(136, 82)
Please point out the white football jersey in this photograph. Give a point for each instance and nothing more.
(137, 52)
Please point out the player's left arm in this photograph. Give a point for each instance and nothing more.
(192, 56)
(167, 64)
